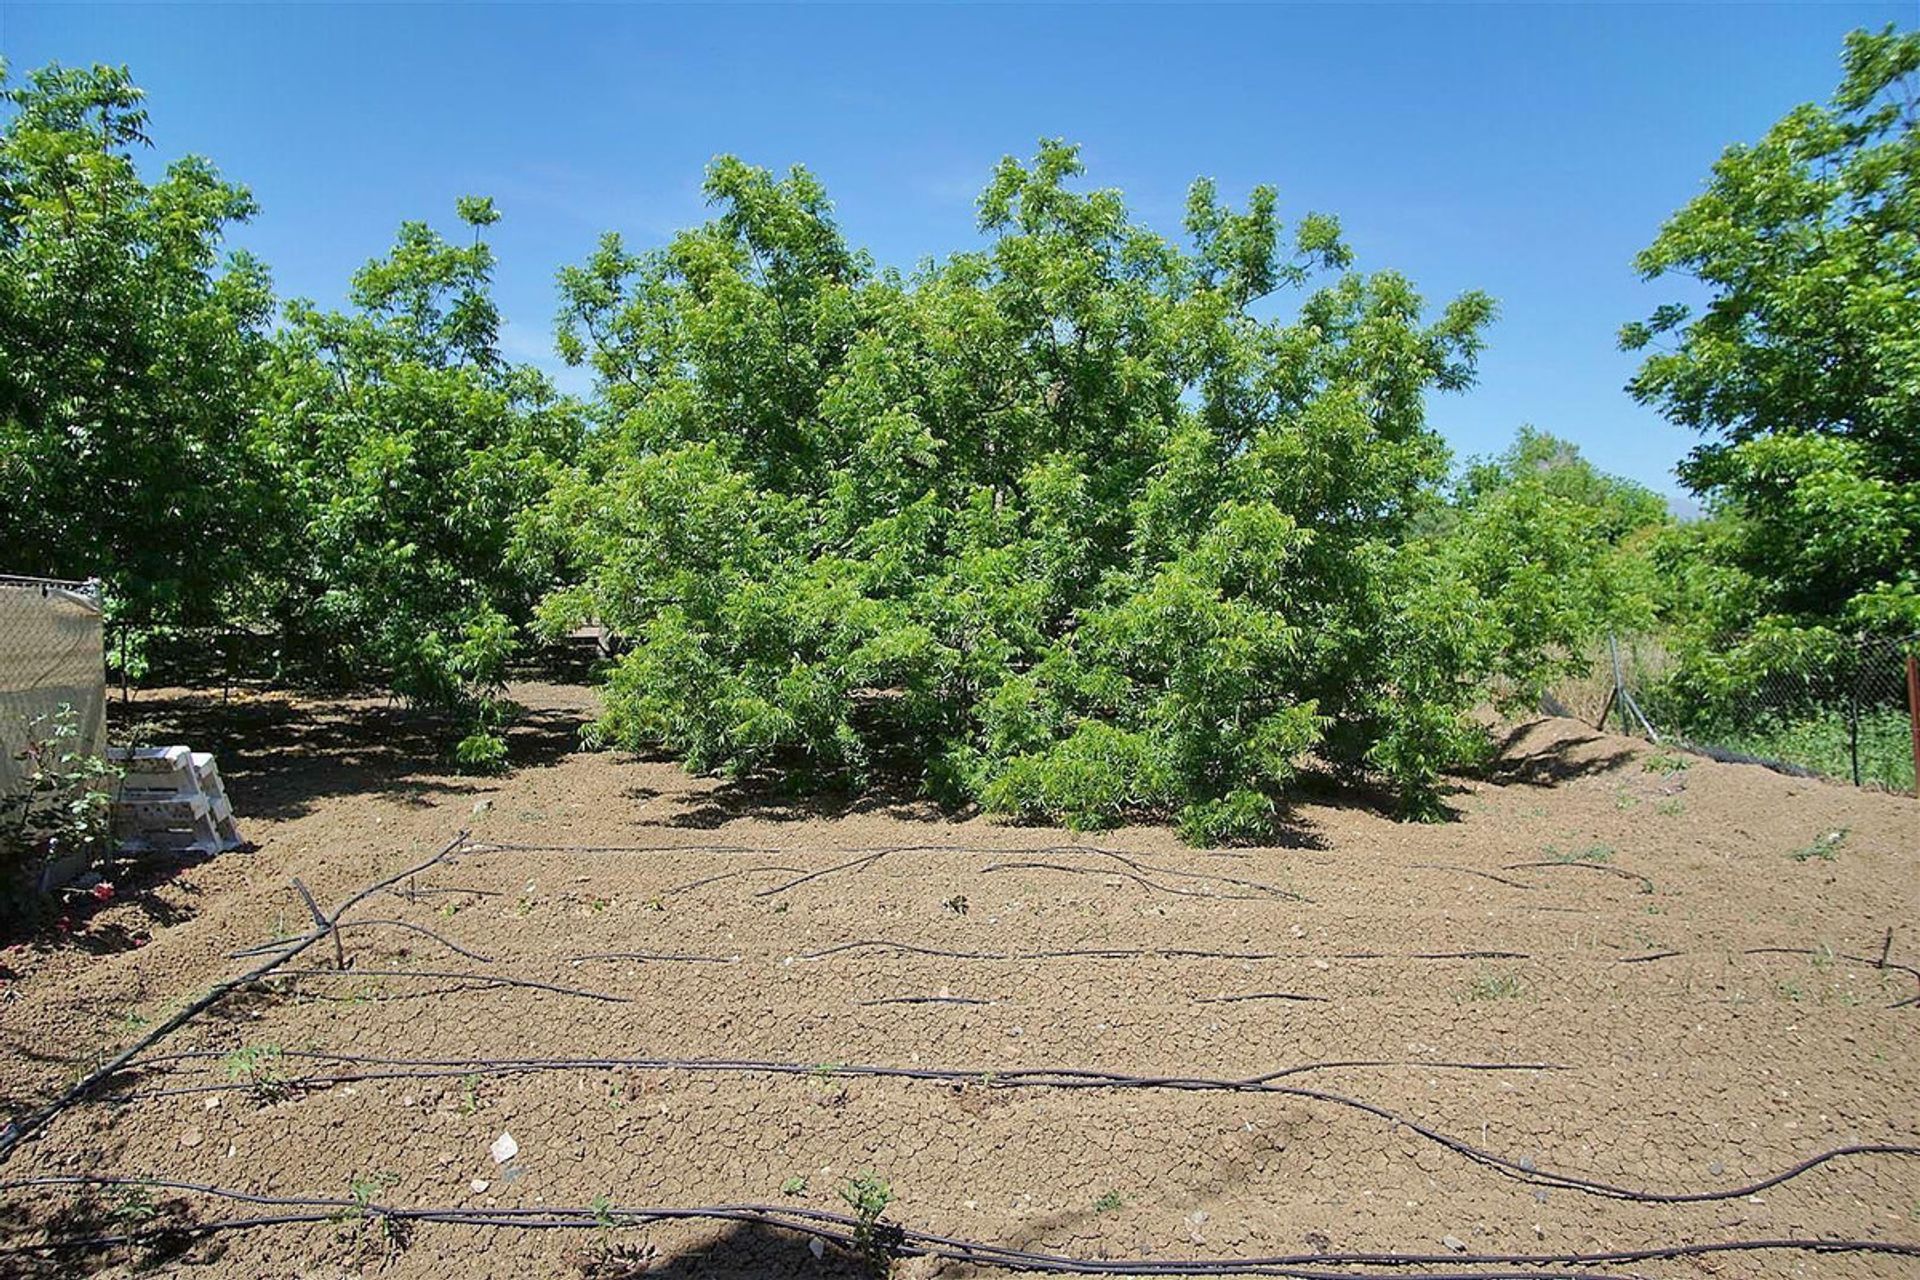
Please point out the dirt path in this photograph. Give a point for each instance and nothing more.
(1603, 971)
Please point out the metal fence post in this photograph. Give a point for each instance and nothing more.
(1913, 714)
(1853, 706)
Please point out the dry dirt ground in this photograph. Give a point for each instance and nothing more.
(1667, 972)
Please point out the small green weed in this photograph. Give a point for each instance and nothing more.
(260, 1068)
(873, 1243)
(1109, 1202)
(1666, 763)
(1592, 853)
(796, 1185)
(1824, 846)
(1493, 986)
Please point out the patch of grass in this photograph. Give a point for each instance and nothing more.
(1488, 985)
(1820, 742)
(1824, 847)
(1592, 853)
(1672, 807)
(1666, 763)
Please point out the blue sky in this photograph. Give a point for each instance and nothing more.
(1529, 151)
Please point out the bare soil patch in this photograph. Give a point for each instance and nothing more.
(1610, 970)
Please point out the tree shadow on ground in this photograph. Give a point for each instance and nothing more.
(768, 800)
(279, 756)
(741, 1251)
(1560, 760)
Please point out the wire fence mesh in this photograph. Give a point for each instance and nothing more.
(1837, 707)
(50, 659)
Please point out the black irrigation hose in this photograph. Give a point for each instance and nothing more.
(652, 957)
(17, 1131)
(1259, 995)
(921, 1000)
(409, 926)
(1130, 953)
(1472, 871)
(456, 975)
(852, 864)
(1646, 884)
(1872, 962)
(1134, 876)
(704, 881)
(839, 1229)
(864, 857)
(1076, 1077)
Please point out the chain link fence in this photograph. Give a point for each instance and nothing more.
(1805, 703)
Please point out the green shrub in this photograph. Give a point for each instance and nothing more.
(1063, 525)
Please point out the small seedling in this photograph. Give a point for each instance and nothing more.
(602, 1208)
(469, 1094)
(869, 1197)
(259, 1067)
(1109, 1202)
(363, 1191)
(1824, 846)
(796, 1185)
(829, 1091)
(133, 1205)
(956, 904)
(1672, 807)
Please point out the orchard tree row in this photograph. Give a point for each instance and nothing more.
(1083, 522)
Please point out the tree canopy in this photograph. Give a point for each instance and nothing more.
(1057, 524)
(1802, 369)
(131, 349)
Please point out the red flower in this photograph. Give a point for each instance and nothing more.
(102, 892)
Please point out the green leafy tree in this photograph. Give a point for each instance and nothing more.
(1557, 553)
(406, 453)
(1059, 524)
(1802, 372)
(129, 350)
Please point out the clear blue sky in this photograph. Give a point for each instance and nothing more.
(1526, 150)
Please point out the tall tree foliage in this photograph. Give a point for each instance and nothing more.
(1058, 524)
(405, 451)
(1802, 372)
(128, 352)
(1558, 553)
